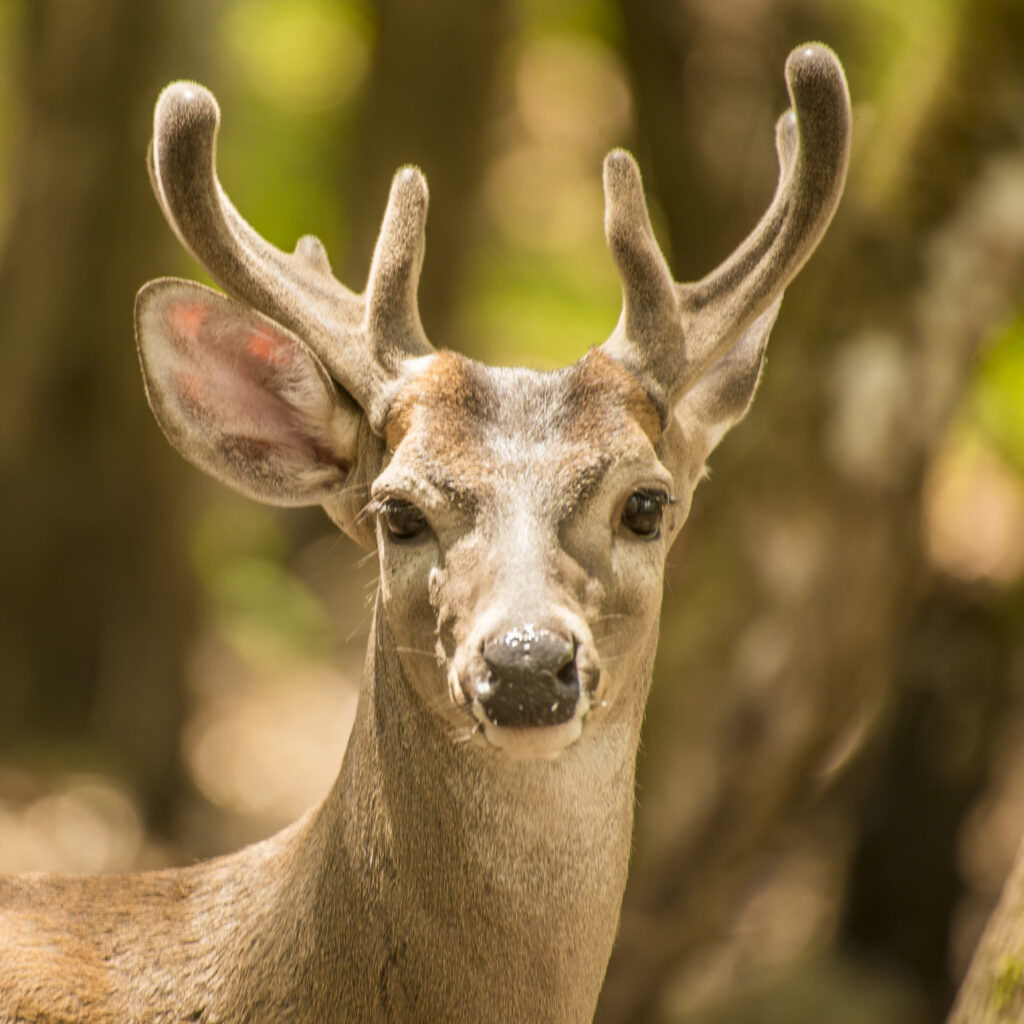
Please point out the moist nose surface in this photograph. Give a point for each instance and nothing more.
(531, 678)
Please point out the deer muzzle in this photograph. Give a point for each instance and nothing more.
(531, 678)
(530, 685)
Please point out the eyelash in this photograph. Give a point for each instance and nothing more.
(644, 510)
(402, 520)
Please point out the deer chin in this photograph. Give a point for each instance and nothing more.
(539, 743)
(531, 743)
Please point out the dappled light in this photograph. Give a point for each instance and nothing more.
(264, 738)
(974, 513)
(76, 824)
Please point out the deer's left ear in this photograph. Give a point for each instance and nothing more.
(241, 397)
(722, 396)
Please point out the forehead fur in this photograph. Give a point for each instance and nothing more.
(461, 401)
(473, 429)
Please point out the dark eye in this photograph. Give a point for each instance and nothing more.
(643, 511)
(402, 519)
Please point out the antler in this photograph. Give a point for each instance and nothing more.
(363, 340)
(670, 333)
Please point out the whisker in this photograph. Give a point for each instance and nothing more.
(611, 637)
(372, 590)
(356, 631)
(610, 615)
(420, 651)
(371, 508)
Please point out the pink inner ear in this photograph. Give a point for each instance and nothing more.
(267, 348)
(187, 318)
(206, 335)
(234, 376)
(241, 396)
(223, 349)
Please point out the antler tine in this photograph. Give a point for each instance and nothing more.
(669, 343)
(361, 341)
(391, 331)
(183, 169)
(650, 307)
(813, 140)
(392, 310)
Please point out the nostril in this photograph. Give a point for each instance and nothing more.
(529, 649)
(568, 675)
(532, 678)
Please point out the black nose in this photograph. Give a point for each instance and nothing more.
(531, 678)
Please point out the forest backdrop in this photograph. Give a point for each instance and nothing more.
(832, 778)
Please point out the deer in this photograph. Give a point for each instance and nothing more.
(468, 865)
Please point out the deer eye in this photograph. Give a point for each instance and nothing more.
(402, 519)
(643, 512)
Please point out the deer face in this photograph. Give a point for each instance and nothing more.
(522, 525)
(522, 518)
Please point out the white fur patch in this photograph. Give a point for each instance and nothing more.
(543, 742)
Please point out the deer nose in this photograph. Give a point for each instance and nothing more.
(531, 678)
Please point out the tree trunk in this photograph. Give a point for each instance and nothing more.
(97, 598)
(428, 103)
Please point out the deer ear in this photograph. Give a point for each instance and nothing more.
(721, 397)
(241, 397)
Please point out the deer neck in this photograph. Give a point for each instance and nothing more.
(488, 889)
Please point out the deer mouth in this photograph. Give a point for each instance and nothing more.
(531, 743)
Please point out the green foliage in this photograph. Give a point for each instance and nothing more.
(264, 610)
(306, 56)
(540, 308)
(11, 16)
(239, 552)
(1008, 983)
(578, 17)
(902, 73)
(294, 73)
(997, 397)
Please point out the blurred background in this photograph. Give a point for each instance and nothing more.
(832, 779)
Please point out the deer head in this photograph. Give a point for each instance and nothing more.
(521, 518)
